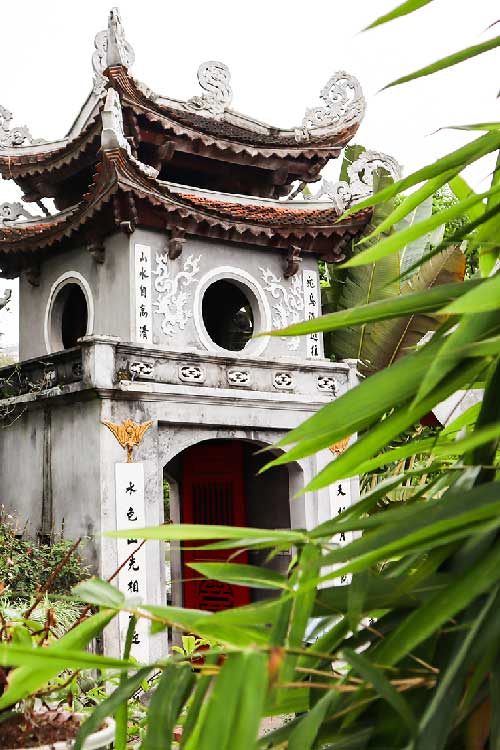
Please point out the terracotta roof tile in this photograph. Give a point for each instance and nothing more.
(262, 214)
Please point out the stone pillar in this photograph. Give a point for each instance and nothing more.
(98, 360)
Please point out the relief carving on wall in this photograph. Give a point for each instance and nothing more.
(172, 300)
(289, 305)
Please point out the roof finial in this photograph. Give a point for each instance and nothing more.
(214, 78)
(344, 106)
(111, 48)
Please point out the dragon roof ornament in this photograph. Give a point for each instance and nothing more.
(10, 213)
(360, 185)
(344, 106)
(214, 78)
(111, 48)
(113, 135)
(11, 137)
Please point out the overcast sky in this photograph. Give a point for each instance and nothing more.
(280, 54)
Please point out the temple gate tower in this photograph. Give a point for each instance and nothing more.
(174, 240)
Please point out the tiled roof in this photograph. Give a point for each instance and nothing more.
(263, 214)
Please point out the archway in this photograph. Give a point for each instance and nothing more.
(217, 481)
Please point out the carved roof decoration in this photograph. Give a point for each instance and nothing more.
(214, 78)
(168, 132)
(13, 137)
(125, 194)
(360, 186)
(111, 48)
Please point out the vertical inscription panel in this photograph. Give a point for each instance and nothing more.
(132, 577)
(312, 309)
(143, 297)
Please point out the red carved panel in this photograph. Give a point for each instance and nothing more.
(213, 493)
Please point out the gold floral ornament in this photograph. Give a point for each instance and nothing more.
(129, 434)
(340, 447)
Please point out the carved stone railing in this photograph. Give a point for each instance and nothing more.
(36, 376)
(320, 377)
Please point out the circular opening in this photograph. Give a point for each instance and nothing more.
(227, 315)
(69, 317)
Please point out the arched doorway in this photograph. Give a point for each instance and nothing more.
(218, 482)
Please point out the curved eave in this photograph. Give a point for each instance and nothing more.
(234, 132)
(256, 223)
(26, 161)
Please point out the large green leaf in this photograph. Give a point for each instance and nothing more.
(446, 268)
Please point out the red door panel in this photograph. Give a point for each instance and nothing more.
(213, 493)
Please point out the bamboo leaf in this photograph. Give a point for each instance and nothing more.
(410, 6)
(251, 703)
(448, 61)
(16, 655)
(462, 190)
(470, 328)
(109, 706)
(304, 734)
(486, 297)
(99, 592)
(428, 301)
(456, 160)
(192, 532)
(395, 242)
(167, 702)
(421, 623)
(26, 680)
(369, 444)
(438, 717)
(242, 575)
(371, 674)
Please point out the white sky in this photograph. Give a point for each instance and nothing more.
(280, 54)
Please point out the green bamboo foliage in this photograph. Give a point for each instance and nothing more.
(406, 654)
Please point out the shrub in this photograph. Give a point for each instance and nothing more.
(26, 565)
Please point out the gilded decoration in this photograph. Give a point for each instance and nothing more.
(129, 434)
(340, 446)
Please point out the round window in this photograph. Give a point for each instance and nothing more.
(69, 317)
(227, 315)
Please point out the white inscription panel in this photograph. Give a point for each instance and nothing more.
(132, 577)
(143, 297)
(312, 309)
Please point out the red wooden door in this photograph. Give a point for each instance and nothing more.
(213, 493)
